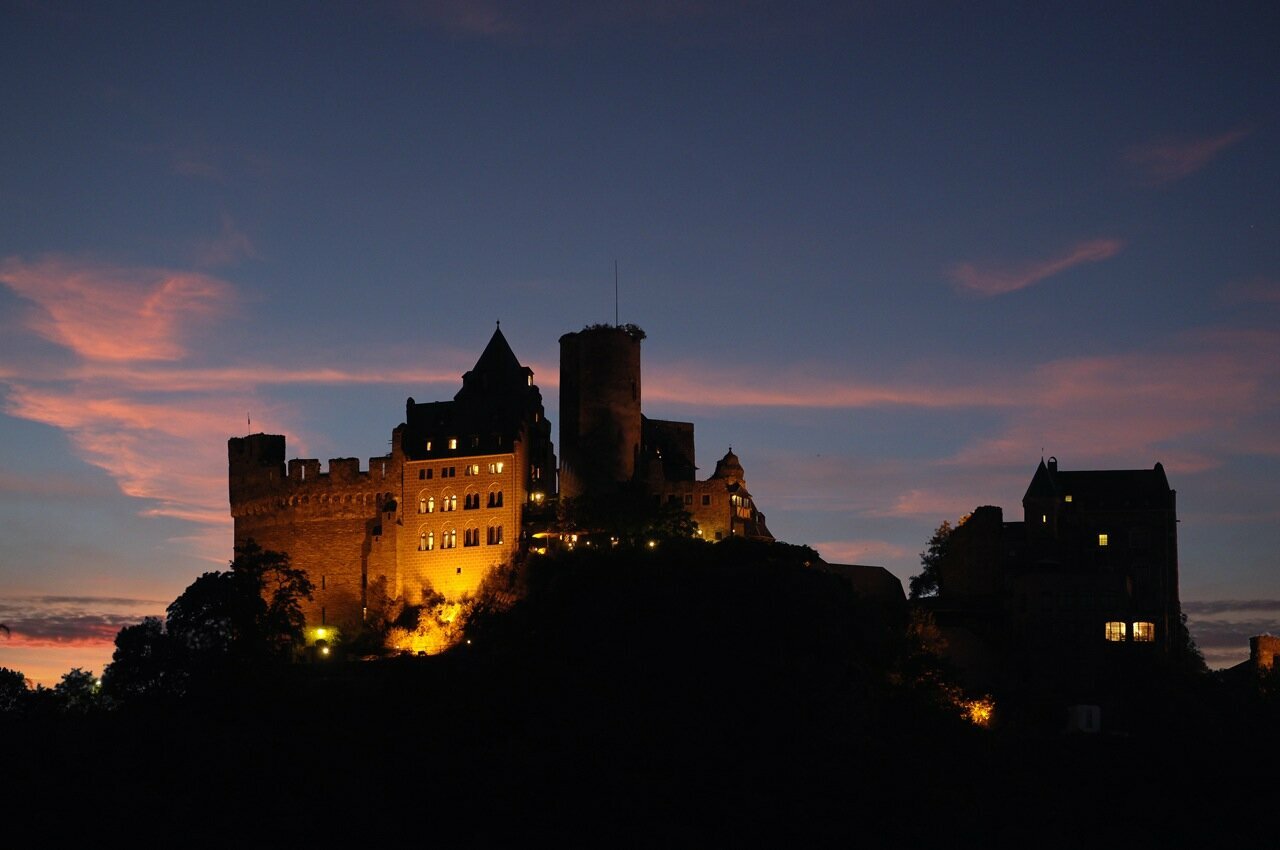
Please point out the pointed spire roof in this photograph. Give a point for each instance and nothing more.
(497, 358)
(498, 368)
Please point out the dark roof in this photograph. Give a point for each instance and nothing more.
(497, 373)
(872, 582)
(498, 358)
(1094, 485)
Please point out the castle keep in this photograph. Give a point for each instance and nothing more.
(468, 481)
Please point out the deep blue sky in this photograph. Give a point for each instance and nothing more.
(891, 252)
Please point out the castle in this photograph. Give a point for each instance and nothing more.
(469, 482)
(1088, 577)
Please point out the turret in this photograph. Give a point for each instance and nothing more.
(600, 430)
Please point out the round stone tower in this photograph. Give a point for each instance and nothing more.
(599, 408)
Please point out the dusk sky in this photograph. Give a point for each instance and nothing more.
(893, 253)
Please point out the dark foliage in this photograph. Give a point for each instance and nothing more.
(223, 624)
(929, 581)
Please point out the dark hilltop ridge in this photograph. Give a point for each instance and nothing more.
(684, 694)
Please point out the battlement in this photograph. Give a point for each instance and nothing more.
(259, 476)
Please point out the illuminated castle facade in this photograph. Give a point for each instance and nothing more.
(468, 481)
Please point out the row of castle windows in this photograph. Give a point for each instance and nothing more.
(1142, 632)
(473, 441)
(470, 502)
(449, 538)
(452, 471)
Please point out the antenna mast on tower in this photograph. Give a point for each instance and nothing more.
(615, 293)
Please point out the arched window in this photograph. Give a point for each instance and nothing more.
(422, 504)
(449, 502)
(426, 541)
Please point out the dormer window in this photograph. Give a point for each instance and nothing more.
(1103, 541)
(453, 443)
(1067, 498)
(428, 445)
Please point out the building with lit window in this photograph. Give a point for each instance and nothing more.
(1089, 575)
(607, 443)
(462, 485)
(468, 481)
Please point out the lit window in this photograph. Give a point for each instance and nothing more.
(495, 467)
(495, 498)
(1144, 632)
(1044, 519)
(422, 504)
(1115, 631)
(426, 541)
(449, 503)
(453, 442)
(1102, 541)
(431, 504)
(471, 469)
(428, 445)
(530, 377)
(1067, 498)
(449, 540)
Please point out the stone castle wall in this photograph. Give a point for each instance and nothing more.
(334, 524)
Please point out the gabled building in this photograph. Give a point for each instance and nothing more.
(463, 483)
(1087, 577)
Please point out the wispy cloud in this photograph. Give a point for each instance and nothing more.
(861, 551)
(1257, 290)
(997, 279)
(229, 247)
(694, 384)
(1170, 160)
(104, 312)
(72, 620)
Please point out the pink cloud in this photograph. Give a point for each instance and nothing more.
(105, 312)
(875, 552)
(230, 246)
(1171, 160)
(1258, 290)
(998, 280)
(703, 386)
(1190, 407)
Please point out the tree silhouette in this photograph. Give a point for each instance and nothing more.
(223, 622)
(13, 689)
(929, 581)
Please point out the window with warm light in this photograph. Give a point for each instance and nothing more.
(453, 442)
(1103, 541)
(1115, 631)
(1144, 632)
(449, 503)
(426, 541)
(422, 504)
(449, 539)
(1066, 498)
(471, 469)
(495, 467)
